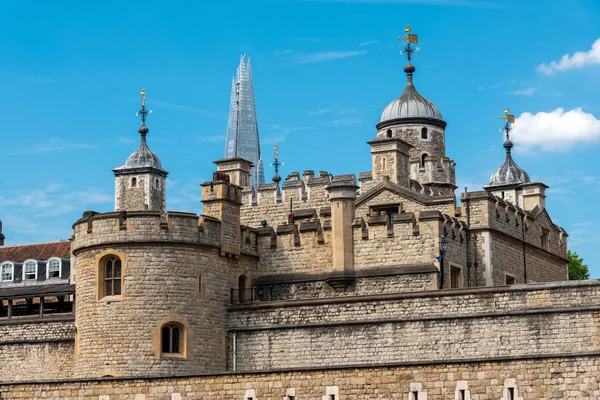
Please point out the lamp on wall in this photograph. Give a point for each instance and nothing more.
(440, 258)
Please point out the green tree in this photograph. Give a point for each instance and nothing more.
(577, 269)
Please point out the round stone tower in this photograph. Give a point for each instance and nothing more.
(153, 287)
(418, 122)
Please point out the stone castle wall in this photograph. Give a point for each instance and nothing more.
(550, 378)
(172, 273)
(36, 348)
(520, 321)
(499, 227)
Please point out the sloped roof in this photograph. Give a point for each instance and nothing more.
(40, 251)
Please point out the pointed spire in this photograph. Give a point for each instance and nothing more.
(242, 127)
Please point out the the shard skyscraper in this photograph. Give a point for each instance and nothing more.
(242, 128)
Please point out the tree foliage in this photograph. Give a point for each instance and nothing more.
(577, 269)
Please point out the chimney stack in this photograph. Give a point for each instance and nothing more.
(1, 235)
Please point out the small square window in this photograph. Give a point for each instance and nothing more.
(510, 280)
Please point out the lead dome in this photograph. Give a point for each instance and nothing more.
(410, 104)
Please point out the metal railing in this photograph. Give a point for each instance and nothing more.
(252, 295)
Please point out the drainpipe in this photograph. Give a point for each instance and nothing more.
(468, 212)
(234, 356)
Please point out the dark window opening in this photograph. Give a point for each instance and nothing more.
(461, 394)
(389, 133)
(243, 289)
(415, 395)
(424, 134)
(133, 182)
(544, 239)
(510, 280)
(171, 339)
(423, 157)
(455, 277)
(511, 393)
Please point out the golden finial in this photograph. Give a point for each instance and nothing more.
(143, 93)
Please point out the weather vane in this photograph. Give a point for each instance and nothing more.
(143, 111)
(409, 39)
(509, 119)
(276, 164)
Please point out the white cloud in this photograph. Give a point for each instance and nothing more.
(368, 43)
(577, 60)
(524, 92)
(327, 56)
(558, 130)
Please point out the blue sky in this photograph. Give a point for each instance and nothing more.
(71, 72)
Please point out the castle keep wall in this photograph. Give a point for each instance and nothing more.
(521, 321)
(37, 348)
(173, 273)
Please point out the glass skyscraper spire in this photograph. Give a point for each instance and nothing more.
(242, 127)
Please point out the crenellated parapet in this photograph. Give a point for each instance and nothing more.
(274, 203)
(524, 245)
(95, 230)
(435, 171)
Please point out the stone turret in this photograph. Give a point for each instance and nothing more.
(140, 183)
(2, 237)
(223, 200)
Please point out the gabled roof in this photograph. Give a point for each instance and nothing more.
(40, 251)
(401, 191)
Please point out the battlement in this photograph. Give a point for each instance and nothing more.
(434, 170)
(273, 203)
(153, 227)
(488, 211)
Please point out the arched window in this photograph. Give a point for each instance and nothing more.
(157, 184)
(53, 270)
(422, 161)
(112, 276)
(133, 182)
(171, 339)
(389, 133)
(424, 134)
(30, 270)
(8, 270)
(243, 288)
